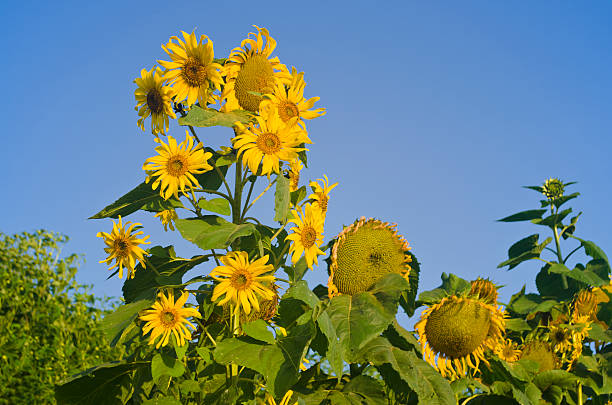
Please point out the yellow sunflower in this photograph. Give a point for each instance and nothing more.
(561, 338)
(320, 193)
(586, 303)
(249, 69)
(458, 331)
(295, 167)
(363, 253)
(484, 290)
(307, 235)
(289, 102)
(154, 99)
(122, 246)
(553, 188)
(166, 217)
(192, 71)
(175, 166)
(268, 143)
(167, 317)
(508, 351)
(242, 282)
(542, 353)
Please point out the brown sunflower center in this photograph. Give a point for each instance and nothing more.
(268, 143)
(241, 280)
(309, 236)
(560, 336)
(458, 327)
(155, 102)
(194, 72)
(121, 247)
(168, 318)
(176, 166)
(288, 110)
(256, 75)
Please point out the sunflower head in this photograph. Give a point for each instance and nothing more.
(363, 253)
(560, 338)
(484, 290)
(508, 351)
(167, 217)
(295, 167)
(553, 188)
(542, 353)
(307, 234)
(585, 304)
(251, 72)
(154, 99)
(320, 193)
(458, 331)
(122, 245)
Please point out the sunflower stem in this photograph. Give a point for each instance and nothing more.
(259, 196)
(237, 203)
(580, 394)
(559, 255)
(248, 198)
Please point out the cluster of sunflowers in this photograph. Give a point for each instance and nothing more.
(279, 337)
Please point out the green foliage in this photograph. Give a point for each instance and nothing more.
(199, 117)
(211, 231)
(48, 321)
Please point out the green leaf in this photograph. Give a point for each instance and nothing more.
(226, 160)
(523, 304)
(560, 378)
(190, 386)
(369, 389)
(211, 180)
(281, 198)
(114, 323)
(407, 299)
(594, 251)
(430, 387)
(162, 261)
(553, 219)
(218, 205)
(584, 276)
(104, 384)
(211, 231)
(517, 325)
(199, 117)
(525, 249)
(259, 330)
(451, 285)
(523, 216)
(296, 272)
(551, 285)
(596, 332)
(163, 364)
(298, 195)
(162, 401)
(334, 349)
(142, 197)
(361, 317)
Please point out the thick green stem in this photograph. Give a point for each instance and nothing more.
(580, 394)
(559, 255)
(237, 203)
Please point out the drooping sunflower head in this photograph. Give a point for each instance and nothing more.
(320, 193)
(267, 144)
(542, 353)
(484, 290)
(458, 330)
(288, 100)
(553, 188)
(167, 317)
(307, 234)
(250, 69)
(175, 165)
(363, 253)
(154, 99)
(167, 217)
(585, 305)
(122, 245)
(243, 282)
(192, 72)
(508, 351)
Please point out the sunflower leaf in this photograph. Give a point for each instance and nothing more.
(114, 323)
(523, 216)
(199, 117)
(218, 205)
(281, 198)
(212, 231)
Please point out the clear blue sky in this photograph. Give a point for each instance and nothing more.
(437, 113)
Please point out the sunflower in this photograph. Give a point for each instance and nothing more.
(154, 99)
(307, 235)
(249, 69)
(508, 351)
(363, 253)
(167, 317)
(542, 353)
(585, 305)
(268, 143)
(289, 102)
(484, 290)
(458, 331)
(122, 245)
(166, 217)
(560, 338)
(295, 167)
(320, 193)
(553, 189)
(242, 282)
(192, 71)
(175, 166)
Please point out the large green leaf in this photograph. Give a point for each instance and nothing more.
(211, 231)
(114, 323)
(334, 349)
(404, 367)
(523, 304)
(407, 299)
(560, 378)
(361, 317)
(594, 251)
(164, 268)
(525, 249)
(165, 365)
(451, 285)
(212, 180)
(218, 205)
(281, 198)
(369, 389)
(199, 117)
(553, 219)
(162, 401)
(105, 384)
(142, 197)
(259, 330)
(584, 276)
(523, 216)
